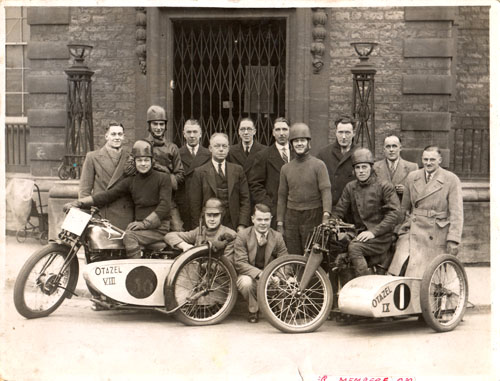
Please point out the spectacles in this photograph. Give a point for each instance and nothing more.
(246, 129)
(217, 146)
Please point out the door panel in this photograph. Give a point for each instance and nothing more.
(225, 70)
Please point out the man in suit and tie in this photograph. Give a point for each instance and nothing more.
(254, 248)
(102, 169)
(264, 176)
(393, 168)
(193, 155)
(223, 180)
(337, 157)
(243, 153)
(433, 208)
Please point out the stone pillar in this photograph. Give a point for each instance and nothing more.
(61, 193)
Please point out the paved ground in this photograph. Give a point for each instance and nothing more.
(77, 343)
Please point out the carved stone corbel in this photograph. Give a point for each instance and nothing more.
(140, 36)
(319, 19)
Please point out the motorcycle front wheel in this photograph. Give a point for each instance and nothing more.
(206, 289)
(288, 308)
(38, 292)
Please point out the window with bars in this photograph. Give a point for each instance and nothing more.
(16, 127)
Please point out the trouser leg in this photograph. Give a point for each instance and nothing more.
(357, 251)
(247, 286)
(134, 239)
(176, 224)
(298, 225)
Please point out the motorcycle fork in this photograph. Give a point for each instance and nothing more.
(71, 254)
(314, 252)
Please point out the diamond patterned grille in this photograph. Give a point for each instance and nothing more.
(228, 70)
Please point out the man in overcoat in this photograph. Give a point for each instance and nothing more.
(223, 180)
(193, 155)
(264, 176)
(433, 208)
(375, 208)
(394, 168)
(102, 169)
(337, 157)
(254, 248)
(244, 152)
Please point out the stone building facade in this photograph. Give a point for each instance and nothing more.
(431, 82)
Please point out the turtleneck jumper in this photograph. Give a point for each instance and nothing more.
(304, 185)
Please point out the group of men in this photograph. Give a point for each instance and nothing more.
(264, 201)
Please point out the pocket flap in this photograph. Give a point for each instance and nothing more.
(442, 223)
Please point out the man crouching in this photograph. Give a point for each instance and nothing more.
(210, 230)
(254, 248)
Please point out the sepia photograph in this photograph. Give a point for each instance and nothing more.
(249, 190)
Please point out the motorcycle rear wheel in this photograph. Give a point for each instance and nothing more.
(35, 292)
(218, 290)
(284, 305)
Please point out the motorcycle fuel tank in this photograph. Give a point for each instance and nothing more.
(101, 238)
(130, 281)
(380, 296)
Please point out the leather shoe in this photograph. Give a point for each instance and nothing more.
(253, 317)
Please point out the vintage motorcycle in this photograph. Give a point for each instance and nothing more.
(296, 295)
(197, 286)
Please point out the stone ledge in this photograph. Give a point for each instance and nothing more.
(47, 118)
(427, 84)
(48, 15)
(54, 84)
(428, 47)
(430, 13)
(46, 151)
(426, 121)
(47, 50)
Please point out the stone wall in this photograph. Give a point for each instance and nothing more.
(112, 33)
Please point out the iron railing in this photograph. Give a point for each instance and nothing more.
(470, 152)
(17, 134)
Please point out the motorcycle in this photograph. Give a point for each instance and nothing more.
(197, 286)
(296, 295)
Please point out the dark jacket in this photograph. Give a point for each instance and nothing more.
(189, 163)
(374, 206)
(238, 156)
(203, 186)
(264, 177)
(339, 168)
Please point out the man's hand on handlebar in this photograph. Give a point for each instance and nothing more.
(72, 204)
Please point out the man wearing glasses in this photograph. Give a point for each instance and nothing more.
(223, 180)
(243, 153)
(101, 171)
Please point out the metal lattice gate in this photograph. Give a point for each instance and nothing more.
(227, 70)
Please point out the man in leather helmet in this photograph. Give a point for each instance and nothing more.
(151, 193)
(374, 206)
(166, 156)
(304, 193)
(210, 229)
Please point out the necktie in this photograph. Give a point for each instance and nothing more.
(221, 174)
(262, 239)
(428, 177)
(247, 150)
(284, 155)
(393, 167)
(193, 152)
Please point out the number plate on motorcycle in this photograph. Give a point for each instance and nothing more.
(76, 221)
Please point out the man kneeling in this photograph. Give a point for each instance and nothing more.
(374, 206)
(210, 230)
(254, 248)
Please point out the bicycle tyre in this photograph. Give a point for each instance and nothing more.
(287, 309)
(444, 272)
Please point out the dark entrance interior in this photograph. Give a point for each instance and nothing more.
(227, 70)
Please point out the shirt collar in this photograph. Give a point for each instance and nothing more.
(195, 148)
(244, 145)
(257, 234)
(280, 147)
(216, 165)
(396, 162)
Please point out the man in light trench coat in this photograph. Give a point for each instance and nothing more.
(433, 208)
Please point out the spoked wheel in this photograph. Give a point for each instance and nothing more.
(285, 306)
(206, 289)
(443, 293)
(39, 290)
